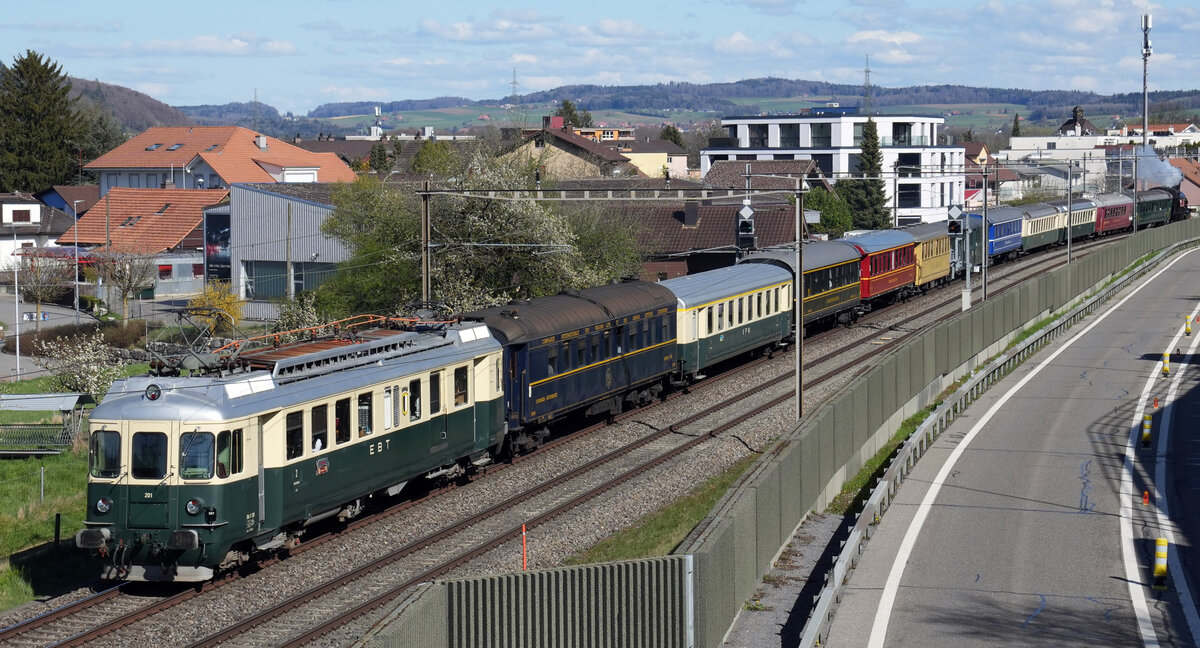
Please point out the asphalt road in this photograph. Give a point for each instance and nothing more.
(1026, 524)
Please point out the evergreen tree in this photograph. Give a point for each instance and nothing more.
(572, 115)
(1016, 130)
(38, 123)
(98, 134)
(379, 157)
(968, 136)
(865, 194)
(672, 134)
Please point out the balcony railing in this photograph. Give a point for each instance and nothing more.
(915, 140)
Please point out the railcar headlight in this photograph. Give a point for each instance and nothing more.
(103, 505)
(194, 506)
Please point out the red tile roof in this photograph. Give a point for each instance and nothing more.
(1190, 169)
(145, 221)
(231, 151)
(662, 231)
(86, 194)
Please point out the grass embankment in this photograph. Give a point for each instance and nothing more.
(30, 564)
(658, 534)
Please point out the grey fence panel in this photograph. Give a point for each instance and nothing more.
(767, 520)
(420, 620)
(941, 339)
(792, 502)
(633, 603)
(860, 420)
(930, 354)
(811, 482)
(889, 387)
(717, 600)
(990, 325)
(961, 332)
(905, 359)
(746, 570)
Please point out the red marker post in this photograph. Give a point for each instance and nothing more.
(524, 555)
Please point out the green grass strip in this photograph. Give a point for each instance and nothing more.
(658, 534)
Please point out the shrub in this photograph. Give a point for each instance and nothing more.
(124, 335)
(225, 304)
(79, 363)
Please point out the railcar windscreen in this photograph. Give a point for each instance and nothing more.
(196, 455)
(106, 454)
(149, 455)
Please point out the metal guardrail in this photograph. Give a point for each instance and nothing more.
(817, 627)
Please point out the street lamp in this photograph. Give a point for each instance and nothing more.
(16, 298)
(75, 227)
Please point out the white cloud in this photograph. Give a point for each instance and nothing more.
(736, 43)
(354, 92)
(523, 58)
(883, 36)
(893, 56)
(156, 90)
(489, 31)
(241, 45)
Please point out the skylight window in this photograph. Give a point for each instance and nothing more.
(211, 147)
(174, 147)
(163, 210)
(154, 147)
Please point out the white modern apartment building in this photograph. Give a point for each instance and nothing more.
(922, 180)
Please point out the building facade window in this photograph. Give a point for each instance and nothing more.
(265, 279)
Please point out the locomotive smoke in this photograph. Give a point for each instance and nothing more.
(1154, 172)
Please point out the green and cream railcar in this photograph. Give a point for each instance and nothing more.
(190, 475)
(1043, 225)
(1082, 219)
(726, 312)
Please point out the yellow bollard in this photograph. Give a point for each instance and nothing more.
(1188, 324)
(1166, 364)
(1145, 430)
(1160, 564)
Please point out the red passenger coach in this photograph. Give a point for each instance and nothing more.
(1114, 213)
(888, 261)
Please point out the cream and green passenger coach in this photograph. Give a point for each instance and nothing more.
(726, 312)
(190, 475)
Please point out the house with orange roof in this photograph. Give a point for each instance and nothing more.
(165, 223)
(200, 157)
(1191, 178)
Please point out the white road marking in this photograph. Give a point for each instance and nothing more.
(1137, 594)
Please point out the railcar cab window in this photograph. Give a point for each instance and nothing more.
(365, 423)
(341, 420)
(149, 455)
(461, 394)
(105, 454)
(196, 455)
(229, 453)
(294, 434)
(320, 428)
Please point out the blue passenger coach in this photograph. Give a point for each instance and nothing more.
(595, 350)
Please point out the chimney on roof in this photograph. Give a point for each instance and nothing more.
(261, 141)
(691, 214)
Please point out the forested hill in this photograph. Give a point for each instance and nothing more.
(133, 110)
(718, 97)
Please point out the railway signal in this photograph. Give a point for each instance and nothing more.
(954, 226)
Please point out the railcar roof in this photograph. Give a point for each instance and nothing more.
(878, 240)
(927, 231)
(538, 318)
(1109, 199)
(1153, 194)
(1076, 203)
(1040, 210)
(1004, 215)
(724, 283)
(197, 399)
(817, 254)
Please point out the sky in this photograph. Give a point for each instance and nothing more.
(299, 54)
